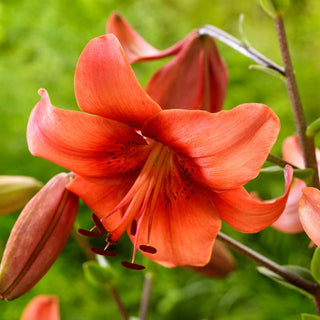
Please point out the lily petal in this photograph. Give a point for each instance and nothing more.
(309, 211)
(196, 78)
(289, 220)
(134, 46)
(246, 214)
(184, 230)
(224, 150)
(291, 151)
(78, 142)
(106, 85)
(99, 198)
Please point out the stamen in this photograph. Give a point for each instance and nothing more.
(110, 240)
(132, 266)
(89, 234)
(103, 252)
(97, 222)
(148, 249)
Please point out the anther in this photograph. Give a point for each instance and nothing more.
(109, 239)
(90, 234)
(103, 252)
(132, 266)
(133, 229)
(97, 222)
(148, 249)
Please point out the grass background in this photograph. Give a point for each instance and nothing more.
(39, 46)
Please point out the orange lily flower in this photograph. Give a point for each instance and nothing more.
(289, 220)
(196, 78)
(167, 177)
(42, 307)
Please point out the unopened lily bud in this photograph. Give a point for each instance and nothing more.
(38, 237)
(16, 191)
(42, 307)
(275, 8)
(221, 263)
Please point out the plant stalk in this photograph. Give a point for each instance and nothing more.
(145, 296)
(295, 279)
(85, 246)
(307, 143)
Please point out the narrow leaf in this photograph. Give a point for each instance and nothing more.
(307, 316)
(315, 265)
(267, 70)
(314, 128)
(303, 272)
(303, 174)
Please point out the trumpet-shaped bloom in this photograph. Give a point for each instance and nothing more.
(196, 78)
(167, 177)
(309, 213)
(289, 220)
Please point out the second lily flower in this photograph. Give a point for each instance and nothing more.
(196, 77)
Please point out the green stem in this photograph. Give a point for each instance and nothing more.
(86, 248)
(307, 143)
(145, 296)
(240, 46)
(290, 277)
(279, 161)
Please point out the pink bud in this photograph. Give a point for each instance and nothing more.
(37, 237)
(42, 307)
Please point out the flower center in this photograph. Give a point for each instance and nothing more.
(140, 199)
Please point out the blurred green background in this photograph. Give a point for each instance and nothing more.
(40, 42)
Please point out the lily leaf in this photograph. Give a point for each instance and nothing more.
(314, 128)
(267, 70)
(98, 275)
(315, 265)
(302, 272)
(307, 316)
(275, 8)
(303, 174)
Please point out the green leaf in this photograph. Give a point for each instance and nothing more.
(97, 275)
(241, 31)
(275, 8)
(314, 128)
(303, 174)
(303, 272)
(307, 316)
(315, 265)
(267, 70)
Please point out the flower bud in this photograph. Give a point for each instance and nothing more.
(221, 263)
(16, 191)
(42, 307)
(275, 8)
(37, 237)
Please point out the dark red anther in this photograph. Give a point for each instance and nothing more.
(109, 239)
(133, 227)
(102, 252)
(148, 249)
(90, 234)
(132, 266)
(97, 222)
